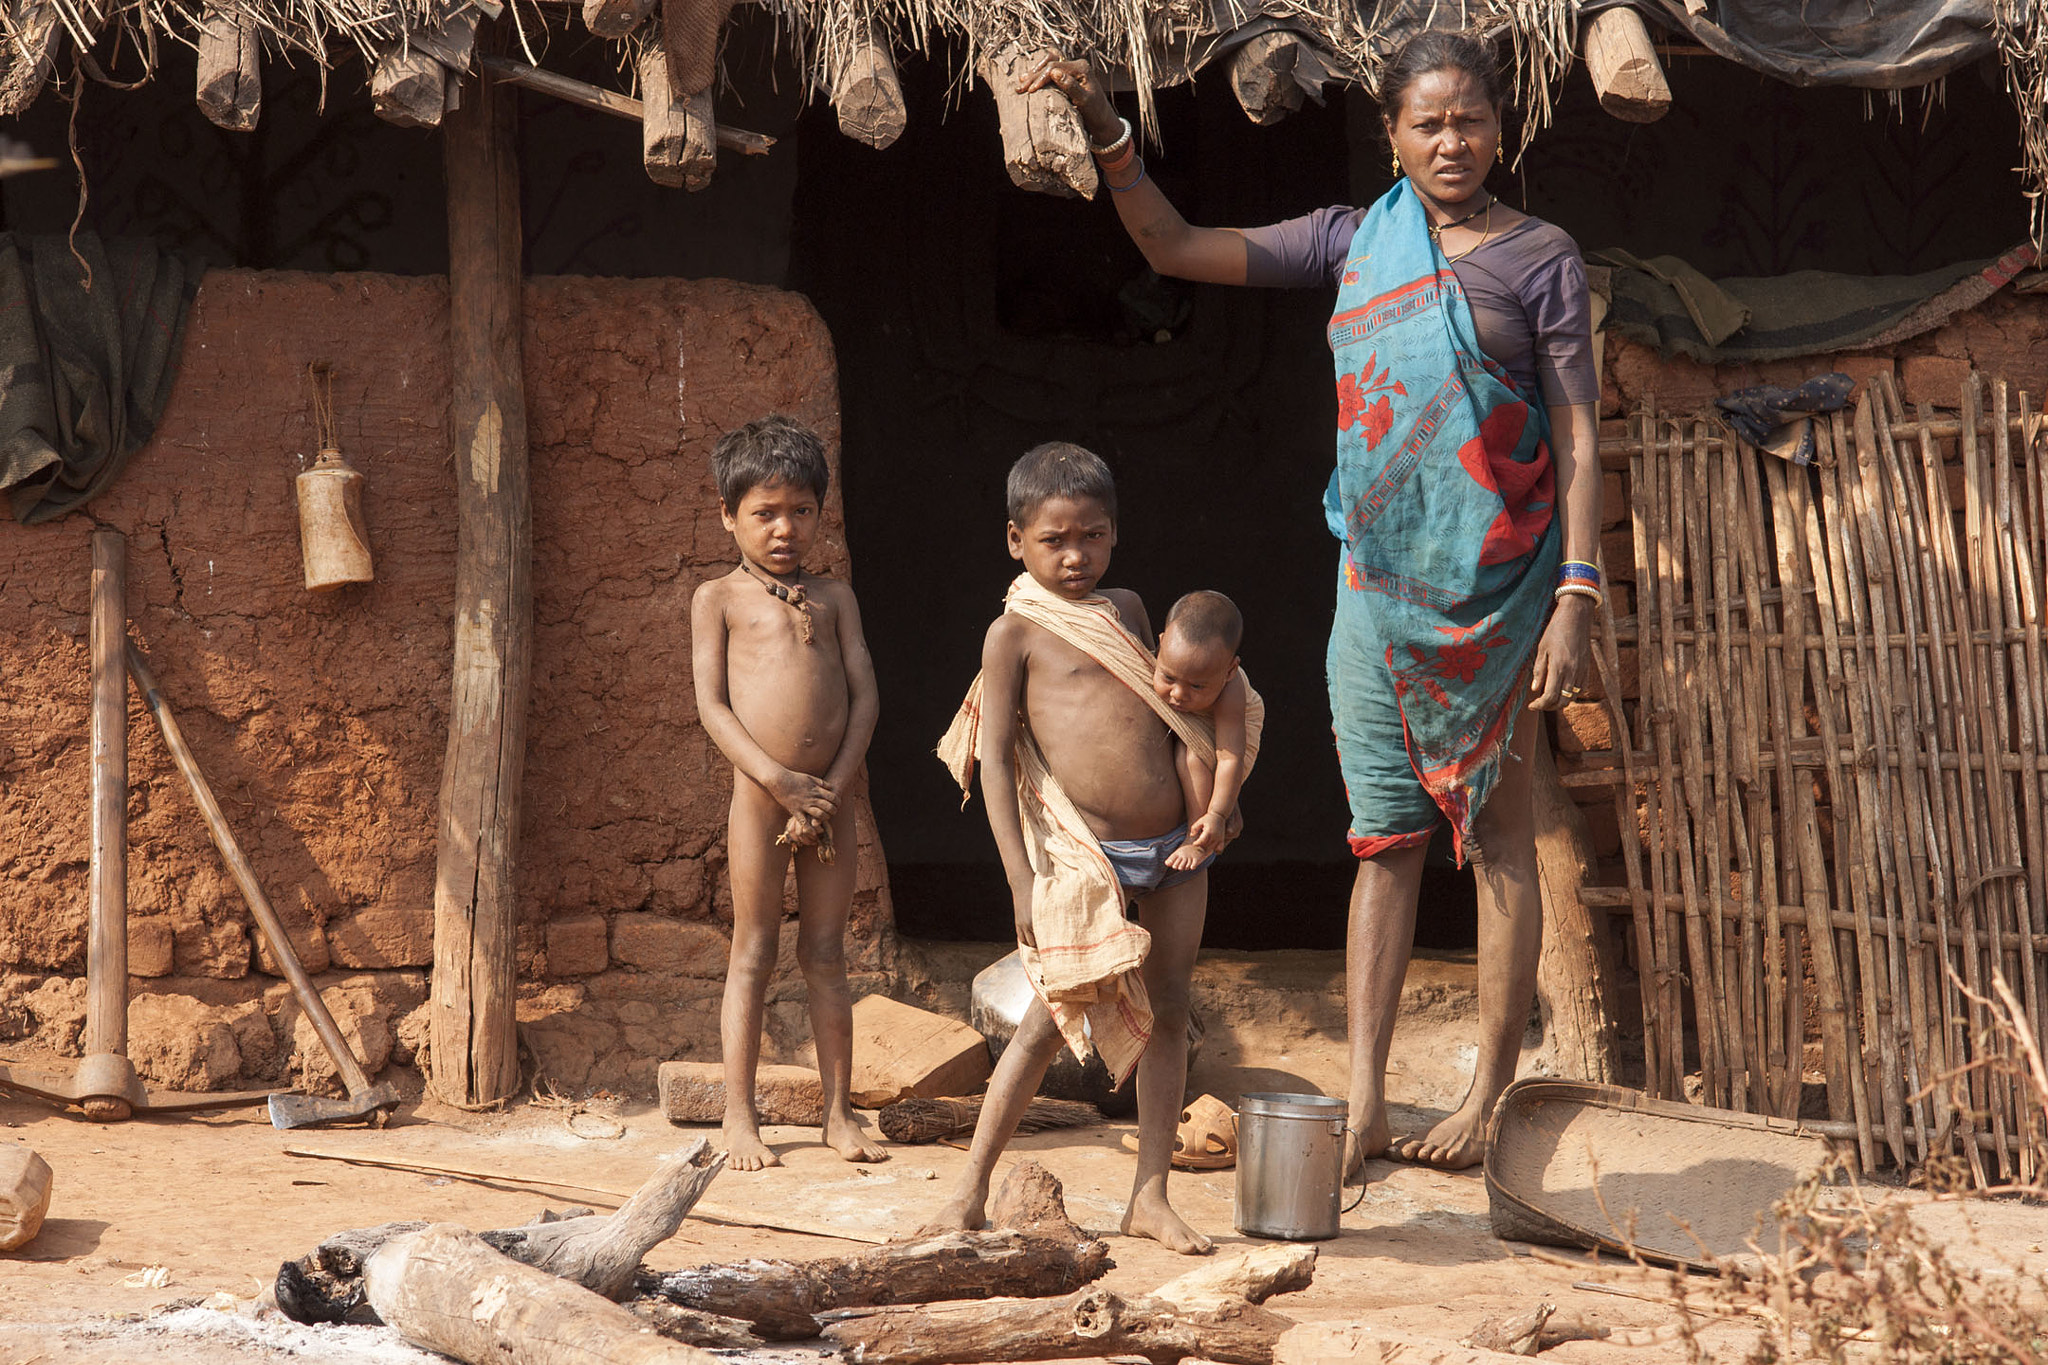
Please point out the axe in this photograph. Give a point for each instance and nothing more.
(365, 1101)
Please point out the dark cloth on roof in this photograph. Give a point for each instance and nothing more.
(1662, 302)
(84, 372)
(1891, 46)
(1526, 288)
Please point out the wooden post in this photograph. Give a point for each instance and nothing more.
(1262, 76)
(1577, 978)
(678, 138)
(230, 80)
(475, 1040)
(1623, 64)
(867, 95)
(106, 948)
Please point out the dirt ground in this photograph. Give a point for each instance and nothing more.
(218, 1202)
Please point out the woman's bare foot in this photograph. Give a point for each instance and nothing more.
(1456, 1143)
(744, 1150)
(844, 1135)
(1151, 1216)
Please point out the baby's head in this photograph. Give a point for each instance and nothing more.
(772, 478)
(1062, 517)
(1197, 651)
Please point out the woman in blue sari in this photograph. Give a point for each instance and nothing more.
(1466, 497)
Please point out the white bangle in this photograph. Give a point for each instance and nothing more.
(1565, 590)
(1112, 148)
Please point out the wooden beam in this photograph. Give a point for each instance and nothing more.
(616, 19)
(1262, 76)
(678, 138)
(867, 94)
(475, 1049)
(1623, 64)
(106, 946)
(605, 101)
(409, 88)
(230, 80)
(1045, 147)
(1577, 974)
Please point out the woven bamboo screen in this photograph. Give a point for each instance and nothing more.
(1836, 764)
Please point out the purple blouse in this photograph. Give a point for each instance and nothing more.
(1527, 289)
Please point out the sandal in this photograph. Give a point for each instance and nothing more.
(1206, 1139)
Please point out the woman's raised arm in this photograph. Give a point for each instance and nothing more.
(1171, 244)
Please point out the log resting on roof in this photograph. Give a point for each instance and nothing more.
(678, 137)
(867, 96)
(1045, 148)
(230, 80)
(409, 88)
(616, 18)
(1262, 76)
(1623, 64)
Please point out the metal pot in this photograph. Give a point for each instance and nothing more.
(1290, 1166)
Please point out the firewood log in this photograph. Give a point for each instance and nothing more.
(615, 19)
(1262, 76)
(598, 1251)
(1623, 64)
(867, 95)
(694, 1328)
(1093, 1322)
(443, 1289)
(782, 1298)
(678, 137)
(409, 88)
(1252, 1275)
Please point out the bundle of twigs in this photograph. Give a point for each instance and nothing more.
(930, 1120)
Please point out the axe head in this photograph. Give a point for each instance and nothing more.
(311, 1111)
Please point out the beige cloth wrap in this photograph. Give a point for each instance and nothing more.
(1085, 966)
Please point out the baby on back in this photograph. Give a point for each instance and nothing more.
(1197, 674)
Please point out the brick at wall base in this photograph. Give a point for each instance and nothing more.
(694, 1092)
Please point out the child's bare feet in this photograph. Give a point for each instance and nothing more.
(964, 1212)
(1364, 1139)
(1151, 1216)
(1187, 857)
(744, 1150)
(844, 1135)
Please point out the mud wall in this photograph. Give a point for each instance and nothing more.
(320, 718)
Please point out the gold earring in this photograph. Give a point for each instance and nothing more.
(1397, 162)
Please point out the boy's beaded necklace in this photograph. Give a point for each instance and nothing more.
(792, 593)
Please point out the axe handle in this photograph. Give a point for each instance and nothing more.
(245, 877)
(106, 951)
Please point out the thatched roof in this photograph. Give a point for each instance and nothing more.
(412, 47)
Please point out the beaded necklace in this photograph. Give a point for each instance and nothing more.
(792, 593)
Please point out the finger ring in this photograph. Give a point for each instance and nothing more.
(1574, 693)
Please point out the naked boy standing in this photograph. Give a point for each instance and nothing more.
(786, 690)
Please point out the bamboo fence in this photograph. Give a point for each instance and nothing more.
(1838, 766)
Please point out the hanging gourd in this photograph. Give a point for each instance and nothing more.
(332, 537)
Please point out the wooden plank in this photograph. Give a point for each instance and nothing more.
(1623, 64)
(475, 1049)
(678, 138)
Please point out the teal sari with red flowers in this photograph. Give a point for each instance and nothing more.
(1444, 498)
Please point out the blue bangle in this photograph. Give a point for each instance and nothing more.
(1119, 189)
(1572, 571)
